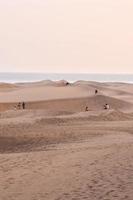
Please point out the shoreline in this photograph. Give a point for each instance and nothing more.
(19, 77)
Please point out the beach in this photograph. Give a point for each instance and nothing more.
(56, 150)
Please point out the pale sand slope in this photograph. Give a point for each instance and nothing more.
(57, 96)
(46, 90)
(55, 151)
(71, 158)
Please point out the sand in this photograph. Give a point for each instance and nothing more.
(54, 150)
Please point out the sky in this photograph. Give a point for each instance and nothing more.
(67, 36)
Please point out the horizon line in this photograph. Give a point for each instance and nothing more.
(112, 73)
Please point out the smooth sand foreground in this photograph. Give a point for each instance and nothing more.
(54, 150)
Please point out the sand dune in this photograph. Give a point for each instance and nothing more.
(94, 103)
(54, 150)
(39, 93)
(7, 87)
(56, 90)
(78, 95)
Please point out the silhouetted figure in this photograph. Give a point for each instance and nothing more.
(23, 105)
(67, 83)
(86, 108)
(96, 91)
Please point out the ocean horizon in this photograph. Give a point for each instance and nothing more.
(71, 77)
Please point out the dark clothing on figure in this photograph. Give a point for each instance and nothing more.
(96, 91)
(23, 105)
(86, 109)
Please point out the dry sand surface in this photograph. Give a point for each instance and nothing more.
(54, 150)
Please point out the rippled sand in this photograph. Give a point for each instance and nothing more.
(54, 150)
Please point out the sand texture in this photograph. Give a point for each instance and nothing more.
(55, 150)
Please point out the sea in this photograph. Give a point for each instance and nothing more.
(71, 77)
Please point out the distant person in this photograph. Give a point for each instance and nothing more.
(106, 106)
(96, 91)
(23, 105)
(19, 106)
(67, 83)
(86, 108)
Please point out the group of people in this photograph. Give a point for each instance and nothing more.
(106, 106)
(20, 105)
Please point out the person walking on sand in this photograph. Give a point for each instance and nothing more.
(86, 108)
(96, 91)
(23, 105)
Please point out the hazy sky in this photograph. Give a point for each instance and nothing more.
(66, 35)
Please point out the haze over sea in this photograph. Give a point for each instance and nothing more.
(31, 77)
